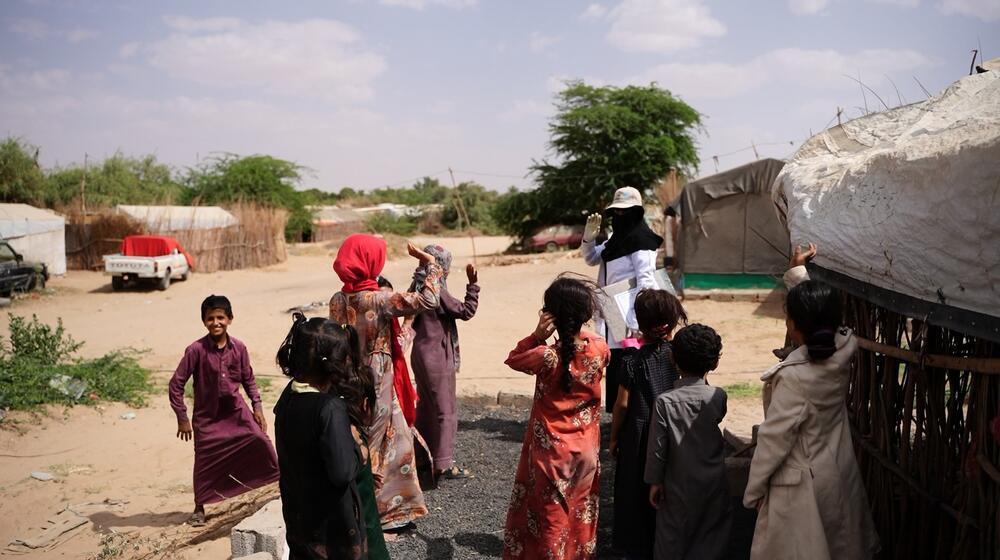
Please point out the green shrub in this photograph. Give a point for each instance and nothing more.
(386, 222)
(36, 354)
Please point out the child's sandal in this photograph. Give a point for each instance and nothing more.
(454, 473)
(197, 519)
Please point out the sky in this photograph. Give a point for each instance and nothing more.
(371, 93)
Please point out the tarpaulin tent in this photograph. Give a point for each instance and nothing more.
(905, 208)
(162, 219)
(907, 200)
(730, 233)
(39, 235)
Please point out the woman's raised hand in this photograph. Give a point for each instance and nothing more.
(419, 254)
(592, 228)
(472, 273)
(546, 326)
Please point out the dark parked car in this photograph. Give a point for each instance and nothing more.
(552, 238)
(17, 274)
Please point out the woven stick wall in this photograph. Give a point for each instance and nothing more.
(927, 439)
(257, 240)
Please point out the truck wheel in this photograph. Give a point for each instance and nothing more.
(165, 281)
(117, 283)
(187, 273)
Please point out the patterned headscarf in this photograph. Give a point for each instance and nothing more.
(442, 257)
(359, 261)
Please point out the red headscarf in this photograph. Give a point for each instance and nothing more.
(359, 261)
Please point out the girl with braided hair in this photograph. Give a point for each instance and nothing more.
(553, 509)
(327, 490)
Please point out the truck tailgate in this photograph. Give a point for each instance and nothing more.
(129, 265)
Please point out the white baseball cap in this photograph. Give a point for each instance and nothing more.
(626, 197)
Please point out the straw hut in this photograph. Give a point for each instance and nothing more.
(38, 235)
(730, 235)
(333, 222)
(904, 207)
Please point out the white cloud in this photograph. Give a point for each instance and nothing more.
(986, 10)
(421, 4)
(31, 28)
(37, 30)
(902, 3)
(662, 26)
(806, 7)
(539, 42)
(80, 35)
(814, 69)
(318, 58)
(594, 11)
(190, 25)
(128, 50)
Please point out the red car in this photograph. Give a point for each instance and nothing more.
(556, 237)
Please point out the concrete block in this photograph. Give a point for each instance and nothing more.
(258, 556)
(263, 531)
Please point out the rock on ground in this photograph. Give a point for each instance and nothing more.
(466, 518)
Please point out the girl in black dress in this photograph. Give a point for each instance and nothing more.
(646, 374)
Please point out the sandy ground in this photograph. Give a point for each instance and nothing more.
(98, 455)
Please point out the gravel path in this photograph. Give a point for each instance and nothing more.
(467, 516)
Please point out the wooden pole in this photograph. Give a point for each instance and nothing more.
(460, 209)
(83, 189)
(986, 366)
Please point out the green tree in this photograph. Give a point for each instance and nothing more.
(263, 179)
(21, 179)
(604, 138)
(117, 180)
(478, 202)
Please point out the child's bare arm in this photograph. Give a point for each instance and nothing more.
(618, 419)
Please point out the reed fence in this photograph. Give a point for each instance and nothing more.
(925, 406)
(257, 239)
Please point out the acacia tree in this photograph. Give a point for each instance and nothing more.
(263, 179)
(604, 138)
(21, 180)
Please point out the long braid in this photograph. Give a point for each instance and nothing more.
(567, 329)
(572, 302)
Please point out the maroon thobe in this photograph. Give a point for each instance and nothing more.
(231, 453)
(435, 362)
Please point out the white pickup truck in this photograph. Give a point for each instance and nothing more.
(147, 258)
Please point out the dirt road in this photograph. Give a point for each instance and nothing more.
(96, 454)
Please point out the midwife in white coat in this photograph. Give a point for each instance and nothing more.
(630, 252)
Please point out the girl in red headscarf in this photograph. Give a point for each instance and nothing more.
(371, 312)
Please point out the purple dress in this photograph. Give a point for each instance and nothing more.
(435, 362)
(231, 453)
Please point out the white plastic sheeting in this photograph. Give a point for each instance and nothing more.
(162, 219)
(39, 235)
(907, 199)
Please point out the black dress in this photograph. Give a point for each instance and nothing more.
(319, 461)
(647, 373)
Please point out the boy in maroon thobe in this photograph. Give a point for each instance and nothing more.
(232, 453)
